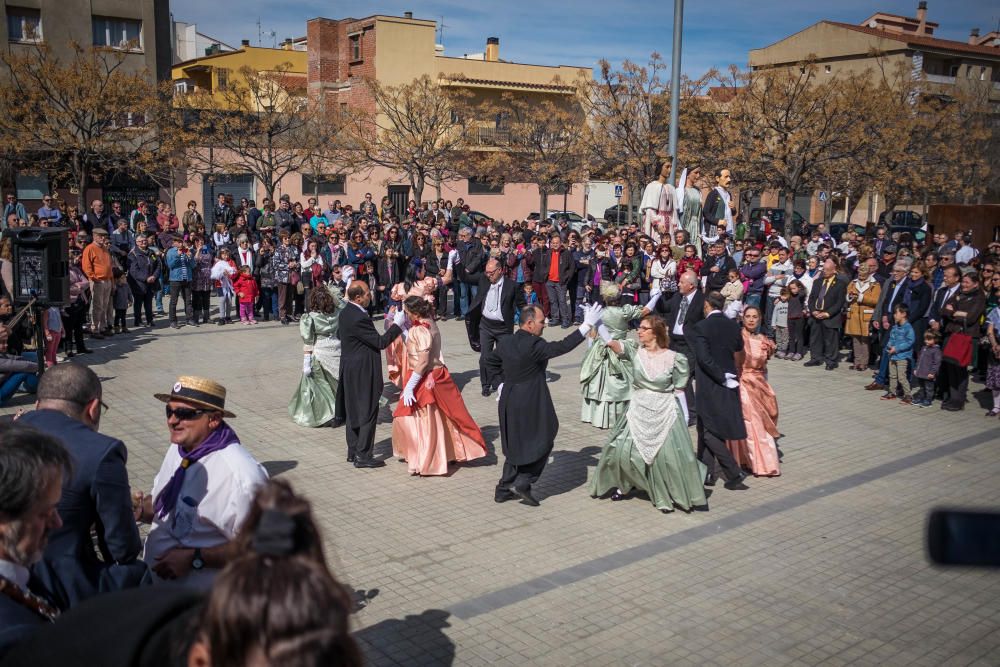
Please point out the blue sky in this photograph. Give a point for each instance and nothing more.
(581, 32)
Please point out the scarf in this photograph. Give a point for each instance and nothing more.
(729, 213)
(679, 192)
(908, 295)
(217, 440)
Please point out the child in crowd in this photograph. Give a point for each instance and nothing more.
(52, 324)
(796, 321)
(122, 299)
(222, 273)
(530, 298)
(246, 293)
(779, 322)
(900, 351)
(928, 365)
(733, 290)
(690, 261)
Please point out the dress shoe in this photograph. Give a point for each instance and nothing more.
(736, 483)
(874, 386)
(711, 478)
(336, 423)
(350, 458)
(618, 495)
(952, 407)
(525, 496)
(831, 367)
(370, 463)
(813, 362)
(487, 391)
(83, 350)
(503, 495)
(98, 336)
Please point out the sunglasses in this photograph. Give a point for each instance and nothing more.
(185, 414)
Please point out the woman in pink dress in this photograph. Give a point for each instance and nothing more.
(417, 283)
(431, 426)
(758, 453)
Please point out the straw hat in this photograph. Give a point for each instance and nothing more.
(198, 391)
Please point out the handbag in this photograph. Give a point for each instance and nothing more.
(958, 349)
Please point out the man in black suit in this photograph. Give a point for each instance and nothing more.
(492, 313)
(715, 341)
(716, 268)
(826, 305)
(682, 311)
(95, 498)
(528, 421)
(32, 468)
(361, 372)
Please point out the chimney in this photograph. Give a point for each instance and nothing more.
(287, 44)
(244, 42)
(492, 49)
(922, 17)
(407, 15)
(974, 36)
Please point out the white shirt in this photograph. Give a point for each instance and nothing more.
(214, 501)
(493, 299)
(948, 293)
(246, 257)
(16, 573)
(678, 329)
(965, 254)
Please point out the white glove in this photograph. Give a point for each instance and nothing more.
(603, 332)
(592, 314)
(408, 398)
(499, 391)
(399, 319)
(682, 399)
(731, 382)
(653, 298)
(307, 364)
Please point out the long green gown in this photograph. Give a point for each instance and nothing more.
(315, 400)
(605, 378)
(650, 448)
(691, 217)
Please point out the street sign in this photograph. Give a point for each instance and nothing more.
(822, 195)
(619, 191)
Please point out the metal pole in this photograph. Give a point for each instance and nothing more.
(675, 85)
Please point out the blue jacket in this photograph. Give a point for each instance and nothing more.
(180, 265)
(901, 337)
(96, 497)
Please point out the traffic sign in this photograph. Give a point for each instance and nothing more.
(619, 191)
(822, 195)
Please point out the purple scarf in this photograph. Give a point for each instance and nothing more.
(217, 440)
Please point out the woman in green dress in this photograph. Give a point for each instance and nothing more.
(650, 448)
(605, 379)
(314, 402)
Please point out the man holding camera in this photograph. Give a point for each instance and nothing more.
(181, 268)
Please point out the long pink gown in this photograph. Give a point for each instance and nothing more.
(758, 453)
(437, 428)
(395, 357)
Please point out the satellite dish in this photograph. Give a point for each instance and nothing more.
(873, 23)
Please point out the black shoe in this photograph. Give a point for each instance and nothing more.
(830, 367)
(370, 463)
(487, 391)
(952, 407)
(503, 495)
(284, 321)
(193, 323)
(813, 362)
(336, 423)
(711, 478)
(616, 496)
(174, 325)
(83, 350)
(221, 322)
(350, 458)
(525, 496)
(736, 483)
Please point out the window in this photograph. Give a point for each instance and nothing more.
(118, 33)
(953, 71)
(828, 69)
(478, 186)
(222, 76)
(324, 184)
(24, 25)
(355, 46)
(31, 186)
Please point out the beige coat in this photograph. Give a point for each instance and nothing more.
(862, 295)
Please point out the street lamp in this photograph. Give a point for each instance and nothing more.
(675, 85)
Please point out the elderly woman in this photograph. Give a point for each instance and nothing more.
(862, 295)
(314, 402)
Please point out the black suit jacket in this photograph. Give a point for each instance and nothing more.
(361, 363)
(97, 497)
(671, 308)
(528, 421)
(833, 301)
(715, 341)
(511, 301)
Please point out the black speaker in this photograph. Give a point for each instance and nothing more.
(41, 264)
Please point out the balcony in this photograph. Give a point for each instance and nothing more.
(487, 136)
(940, 78)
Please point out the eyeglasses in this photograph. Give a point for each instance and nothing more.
(185, 414)
(104, 408)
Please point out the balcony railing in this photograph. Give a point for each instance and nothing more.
(940, 78)
(487, 136)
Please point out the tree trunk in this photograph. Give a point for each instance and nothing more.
(417, 182)
(789, 226)
(543, 204)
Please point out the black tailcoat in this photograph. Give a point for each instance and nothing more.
(715, 340)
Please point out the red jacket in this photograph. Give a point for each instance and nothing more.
(246, 288)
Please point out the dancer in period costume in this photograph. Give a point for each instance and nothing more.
(361, 372)
(419, 284)
(650, 448)
(315, 401)
(757, 452)
(605, 377)
(528, 421)
(657, 206)
(431, 425)
(689, 206)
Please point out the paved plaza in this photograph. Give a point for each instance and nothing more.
(823, 565)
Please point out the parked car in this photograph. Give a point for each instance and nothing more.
(901, 219)
(479, 218)
(618, 215)
(777, 218)
(837, 230)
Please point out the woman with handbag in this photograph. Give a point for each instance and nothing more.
(960, 320)
(662, 273)
(627, 278)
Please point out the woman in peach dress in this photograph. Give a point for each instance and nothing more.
(758, 453)
(417, 283)
(431, 426)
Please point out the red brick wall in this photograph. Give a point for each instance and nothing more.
(330, 60)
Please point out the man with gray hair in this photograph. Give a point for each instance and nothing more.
(96, 498)
(893, 292)
(32, 468)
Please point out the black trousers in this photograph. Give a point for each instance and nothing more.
(521, 476)
(180, 290)
(712, 450)
(955, 382)
(824, 343)
(139, 302)
(76, 315)
(490, 331)
(360, 431)
(796, 336)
